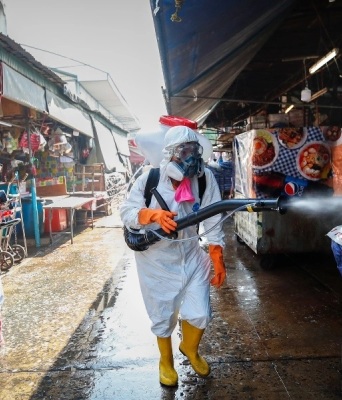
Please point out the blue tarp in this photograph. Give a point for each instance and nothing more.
(213, 41)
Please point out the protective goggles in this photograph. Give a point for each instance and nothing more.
(186, 150)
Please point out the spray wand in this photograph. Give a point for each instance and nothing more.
(141, 241)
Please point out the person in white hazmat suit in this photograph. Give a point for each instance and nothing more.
(174, 275)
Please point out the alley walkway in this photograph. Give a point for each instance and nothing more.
(75, 327)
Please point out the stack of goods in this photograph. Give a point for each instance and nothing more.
(224, 174)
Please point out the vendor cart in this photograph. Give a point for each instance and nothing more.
(267, 166)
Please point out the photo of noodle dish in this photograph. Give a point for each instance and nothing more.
(332, 133)
(292, 138)
(313, 161)
(265, 149)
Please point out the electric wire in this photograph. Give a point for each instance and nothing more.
(67, 58)
(133, 179)
(79, 62)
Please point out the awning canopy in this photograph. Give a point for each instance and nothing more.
(136, 158)
(68, 114)
(18, 88)
(118, 112)
(135, 155)
(204, 52)
(121, 143)
(107, 150)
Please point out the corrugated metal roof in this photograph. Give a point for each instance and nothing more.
(16, 50)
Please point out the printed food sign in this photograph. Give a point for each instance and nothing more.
(313, 161)
(289, 161)
(265, 149)
(292, 138)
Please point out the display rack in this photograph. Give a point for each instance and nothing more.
(89, 178)
(92, 180)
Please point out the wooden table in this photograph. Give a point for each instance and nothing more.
(71, 204)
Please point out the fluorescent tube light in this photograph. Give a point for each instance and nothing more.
(289, 108)
(333, 53)
(5, 123)
(319, 93)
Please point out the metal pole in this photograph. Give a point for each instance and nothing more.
(33, 193)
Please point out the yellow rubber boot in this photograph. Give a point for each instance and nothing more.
(191, 337)
(167, 374)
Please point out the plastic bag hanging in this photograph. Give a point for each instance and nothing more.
(36, 138)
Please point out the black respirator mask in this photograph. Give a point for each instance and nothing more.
(189, 161)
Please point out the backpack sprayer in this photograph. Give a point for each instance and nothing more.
(141, 241)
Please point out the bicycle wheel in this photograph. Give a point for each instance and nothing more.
(18, 252)
(6, 260)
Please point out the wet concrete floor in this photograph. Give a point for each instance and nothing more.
(75, 327)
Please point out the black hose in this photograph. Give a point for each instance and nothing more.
(251, 205)
(140, 242)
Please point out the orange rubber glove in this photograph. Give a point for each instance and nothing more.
(162, 217)
(215, 252)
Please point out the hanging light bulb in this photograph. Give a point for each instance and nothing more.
(305, 94)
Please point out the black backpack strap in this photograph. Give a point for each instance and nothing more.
(152, 182)
(202, 183)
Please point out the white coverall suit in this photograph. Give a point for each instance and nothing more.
(174, 276)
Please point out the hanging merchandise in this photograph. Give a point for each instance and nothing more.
(34, 139)
(42, 142)
(52, 151)
(34, 170)
(45, 129)
(58, 144)
(85, 153)
(67, 161)
(58, 137)
(57, 150)
(9, 144)
(66, 148)
(15, 163)
(31, 169)
(23, 143)
(37, 140)
(51, 145)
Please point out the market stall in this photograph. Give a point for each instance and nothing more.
(40, 151)
(295, 162)
(56, 140)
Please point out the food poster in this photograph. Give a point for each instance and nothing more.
(290, 161)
